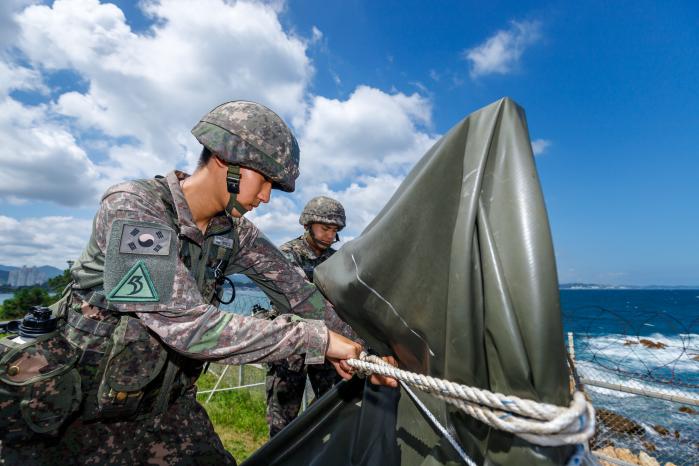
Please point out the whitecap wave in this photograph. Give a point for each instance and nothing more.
(628, 354)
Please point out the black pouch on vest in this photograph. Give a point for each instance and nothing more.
(39, 385)
(135, 360)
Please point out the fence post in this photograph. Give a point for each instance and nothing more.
(240, 375)
(208, 398)
(571, 346)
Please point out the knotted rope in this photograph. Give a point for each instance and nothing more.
(538, 423)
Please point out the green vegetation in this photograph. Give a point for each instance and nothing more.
(24, 298)
(238, 415)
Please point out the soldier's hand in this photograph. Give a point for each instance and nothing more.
(339, 349)
(382, 379)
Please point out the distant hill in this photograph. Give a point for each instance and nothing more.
(50, 271)
(598, 286)
(47, 270)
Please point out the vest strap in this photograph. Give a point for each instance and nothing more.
(95, 327)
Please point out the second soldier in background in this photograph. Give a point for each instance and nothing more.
(322, 218)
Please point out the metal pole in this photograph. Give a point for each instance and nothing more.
(240, 375)
(225, 368)
(640, 391)
(571, 346)
(259, 384)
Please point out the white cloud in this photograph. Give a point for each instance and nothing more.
(13, 77)
(317, 35)
(371, 132)
(279, 219)
(356, 151)
(151, 88)
(500, 53)
(539, 146)
(40, 159)
(144, 92)
(8, 25)
(42, 241)
(362, 200)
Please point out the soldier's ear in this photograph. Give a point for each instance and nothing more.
(219, 162)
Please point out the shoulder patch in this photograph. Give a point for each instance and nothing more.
(140, 262)
(135, 286)
(141, 239)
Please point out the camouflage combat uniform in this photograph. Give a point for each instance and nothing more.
(169, 339)
(286, 379)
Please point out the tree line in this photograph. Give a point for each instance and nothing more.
(24, 298)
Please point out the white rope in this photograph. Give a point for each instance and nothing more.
(538, 423)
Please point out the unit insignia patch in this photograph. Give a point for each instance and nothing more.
(135, 286)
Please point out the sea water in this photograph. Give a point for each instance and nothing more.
(609, 327)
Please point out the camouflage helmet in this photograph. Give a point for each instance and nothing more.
(323, 209)
(252, 136)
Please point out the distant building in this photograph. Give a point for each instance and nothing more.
(26, 276)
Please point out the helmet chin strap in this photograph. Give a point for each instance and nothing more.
(233, 185)
(309, 232)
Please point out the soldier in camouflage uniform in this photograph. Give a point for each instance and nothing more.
(116, 383)
(321, 218)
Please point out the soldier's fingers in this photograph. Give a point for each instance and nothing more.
(390, 360)
(383, 380)
(343, 373)
(346, 367)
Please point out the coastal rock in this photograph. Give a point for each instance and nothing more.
(609, 452)
(661, 430)
(650, 344)
(645, 460)
(624, 454)
(599, 442)
(618, 423)
(649, 446)
(687, 410)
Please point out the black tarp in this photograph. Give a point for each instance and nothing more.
(456, 277)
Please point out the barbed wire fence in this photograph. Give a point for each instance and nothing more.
(641, 372)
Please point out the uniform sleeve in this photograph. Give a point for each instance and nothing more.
(283, 282)
(199, 330)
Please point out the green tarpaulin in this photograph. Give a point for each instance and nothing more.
(456, 277)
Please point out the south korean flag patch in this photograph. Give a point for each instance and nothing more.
(140, 239)
(140, 262)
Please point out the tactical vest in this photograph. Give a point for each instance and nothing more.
(108, 369)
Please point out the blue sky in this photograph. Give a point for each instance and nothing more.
(610, 91)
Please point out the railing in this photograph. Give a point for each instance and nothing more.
(240, 385)
(249, 376)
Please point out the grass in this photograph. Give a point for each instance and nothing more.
(238, 415)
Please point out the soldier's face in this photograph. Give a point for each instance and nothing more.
(254, 189)
(324, 234)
